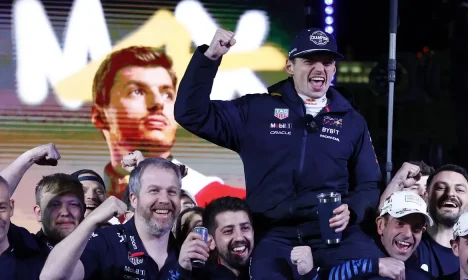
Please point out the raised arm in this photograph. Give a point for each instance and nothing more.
(42, 155)
(406, 176)
(220, 122)
(64, 260)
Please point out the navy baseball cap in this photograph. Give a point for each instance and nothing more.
(313, 40)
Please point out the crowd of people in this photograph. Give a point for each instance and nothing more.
(297, 141)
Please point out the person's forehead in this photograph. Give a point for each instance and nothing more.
(450, 177)
(91, 184)
(48, 197)
(162, 177)
(185, 198)
(233, 218)
(149, 76)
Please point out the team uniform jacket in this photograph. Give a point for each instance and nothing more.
(285, 164)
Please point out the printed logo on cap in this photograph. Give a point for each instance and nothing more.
(319, 38)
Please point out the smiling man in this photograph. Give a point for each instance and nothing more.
(301, 139)
(142, 248)
(229, 222)
(447, 200)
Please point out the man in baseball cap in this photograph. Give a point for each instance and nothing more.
(400, 225)
(304, 104)
(460, 247)
(313, 40)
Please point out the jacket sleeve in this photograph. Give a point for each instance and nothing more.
(354, 269)
(220, 122)
(364, 175)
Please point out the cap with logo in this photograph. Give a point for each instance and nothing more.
(460, 229)
(313, 40)
(403, 203)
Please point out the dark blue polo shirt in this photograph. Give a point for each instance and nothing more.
(435, 258)
(25, 258)
(117, 252)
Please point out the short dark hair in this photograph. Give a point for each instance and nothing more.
(447, 167)
(221, 205)
(181, 230)
(134, 183)
(60, 184)
(424, 169)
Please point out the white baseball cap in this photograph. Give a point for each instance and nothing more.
(403, 203)
(461, 226)
(189, 195)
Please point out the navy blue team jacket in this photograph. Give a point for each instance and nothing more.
(285, 164)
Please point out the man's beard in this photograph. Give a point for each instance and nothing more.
(446, 219)
(233, 260)
(153, 227)
(54, 235)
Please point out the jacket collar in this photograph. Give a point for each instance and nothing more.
(285, 89)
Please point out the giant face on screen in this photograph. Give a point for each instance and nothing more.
(58, 51)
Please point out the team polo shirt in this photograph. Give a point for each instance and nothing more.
(435, 258)
(117, 252)
(25, 258)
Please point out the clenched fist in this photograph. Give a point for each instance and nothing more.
(44, 155)
(130, 161)
(301, 256)
(392, 268)
(111, 207)
(406, 176)
(222, 41)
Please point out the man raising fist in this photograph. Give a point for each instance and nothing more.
(299, 140)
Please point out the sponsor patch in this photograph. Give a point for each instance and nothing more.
(281, 113)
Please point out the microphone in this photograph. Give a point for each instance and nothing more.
(312, 124)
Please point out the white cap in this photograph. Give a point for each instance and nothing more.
(461, 226)
(403, 203)
(189, 195)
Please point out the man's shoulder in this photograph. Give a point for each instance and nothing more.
(22, 240)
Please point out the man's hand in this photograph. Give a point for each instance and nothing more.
(111, 207)
(301, 256)
(194, 247)
(222, 41)
(406, 176)
(44, 155)
(392, 268)
(130, 161)
(341, 219)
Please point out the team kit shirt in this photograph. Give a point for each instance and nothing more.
(25, 257)
(117, 252)
(435, 258)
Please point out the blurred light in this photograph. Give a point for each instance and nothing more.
(328, 2)
(329, 29)
(425, 49)
(356, 69)
(329, 20)
(419, 54)
(329, 10)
